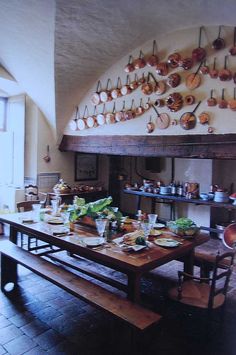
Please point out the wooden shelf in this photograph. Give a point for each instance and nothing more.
(172, 199)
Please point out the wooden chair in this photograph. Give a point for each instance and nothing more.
(206, 293)
(26, 206)
(31, 192)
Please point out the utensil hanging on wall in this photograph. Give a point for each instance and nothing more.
(174, 102)
(162, 68)
(140, 62)
(140, 109)
(212, 100)
(225, 74)
(162, 120)
(105, 95)
(73, 123)
(81, 122)
(204, 118)
(214, 72)
(101, 117)
(188, 119)
(232, 103)
(90, 121)
(126, 89)
(120, 115)
(110, 116)
(147, 105)
(95, 98)
(148, 87)
(232, 50)
(186, 63)
(199, 53)
(130, 66)
(130, 114)
(223, 103)
(219, 42)
(115, 93)
(173, 60)
(204, 68)
(134, 83)
(153, 59)
(47, 157)
(150, 126)
(193, 80)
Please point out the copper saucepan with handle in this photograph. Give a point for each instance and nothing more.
(130, 66)
(115, 93)
(95, 98)
(193, 80)
(120, 115)
(232, 50)
(223, 103)
(219, 42)
(232, 103)
(101, 117)
(188, 120)
(126, 89)
(81, 122)
(105, 95)
(199, 53)
(153, 59)
(163, 119)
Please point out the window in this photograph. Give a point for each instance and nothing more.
(3, 103)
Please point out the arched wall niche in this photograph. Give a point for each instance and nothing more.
(131, 137)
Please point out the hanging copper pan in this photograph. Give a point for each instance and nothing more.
(153, 59)
(115, 93)
(105, 95)
(232, 50)
(232, 103)
(219, 42)
(199, 53)
(73, 122)
(204, 68)
(162, 120)
(174, 102)
(134, 83)
(140, 62)
(126, 89)
(148, 87)
(188, 119)
(150, 126)
(212, 100)
(174, 80)
(95, 98)
(110, 116)
(173, 60)
(225, 74)
(162, 68)
(147, 106)
(130, 114)
(140, 109)
(186, 63)
(193, 80)
(101, 117)
(214, 72)
(130, 66)
(120, 115)
(90, 121)
(81, 122)
(223, 103)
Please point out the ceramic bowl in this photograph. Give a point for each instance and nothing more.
(204, 196)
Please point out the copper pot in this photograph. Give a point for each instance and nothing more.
(199, 53)
(130, 66)
(218, 43)
(105, 95)
(186, 63)
(214, 72)
(140, 109)
(115, 93)
(126, 89)
(90, 121)
(150, 126)
(173, 60)
(212, 100)
(134, 84)
(101, 117)
(153, 59)
(204, 68)
(223, 103)
(232, 103)
(225, 74)
(95, 98)
(162, 69)
(120, 115)
(140, 62)
(130, 114)
(148, 87)
(110, 116)
(232, 50)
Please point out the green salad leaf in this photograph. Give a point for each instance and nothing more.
(184, 223)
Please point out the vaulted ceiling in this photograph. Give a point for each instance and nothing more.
(57, 49)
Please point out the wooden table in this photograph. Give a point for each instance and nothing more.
(134, 265)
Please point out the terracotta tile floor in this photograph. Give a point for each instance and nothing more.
(43, 319)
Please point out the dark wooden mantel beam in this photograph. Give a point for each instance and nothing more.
(220, 146)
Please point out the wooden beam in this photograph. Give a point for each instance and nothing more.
(221, 146)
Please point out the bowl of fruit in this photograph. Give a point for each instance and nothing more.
(61, 187)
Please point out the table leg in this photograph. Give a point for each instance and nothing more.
(9, 266)
(189, 262)
(8, 272)
(134, 287)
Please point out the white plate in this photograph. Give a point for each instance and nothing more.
(158, 225)
(135, 247)
(94, 241)
(60, 230)
(167, 242)
(55, 221)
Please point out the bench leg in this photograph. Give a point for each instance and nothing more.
(8, 273)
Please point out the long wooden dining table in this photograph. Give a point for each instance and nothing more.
(133, 264)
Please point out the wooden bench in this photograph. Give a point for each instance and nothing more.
(135, 315)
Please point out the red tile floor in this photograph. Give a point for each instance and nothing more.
(43, 319)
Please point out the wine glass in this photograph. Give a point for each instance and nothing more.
(146, 227)
(101, 226)
(152, 217)
(66, 217)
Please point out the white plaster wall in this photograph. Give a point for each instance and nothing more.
(183, 41)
